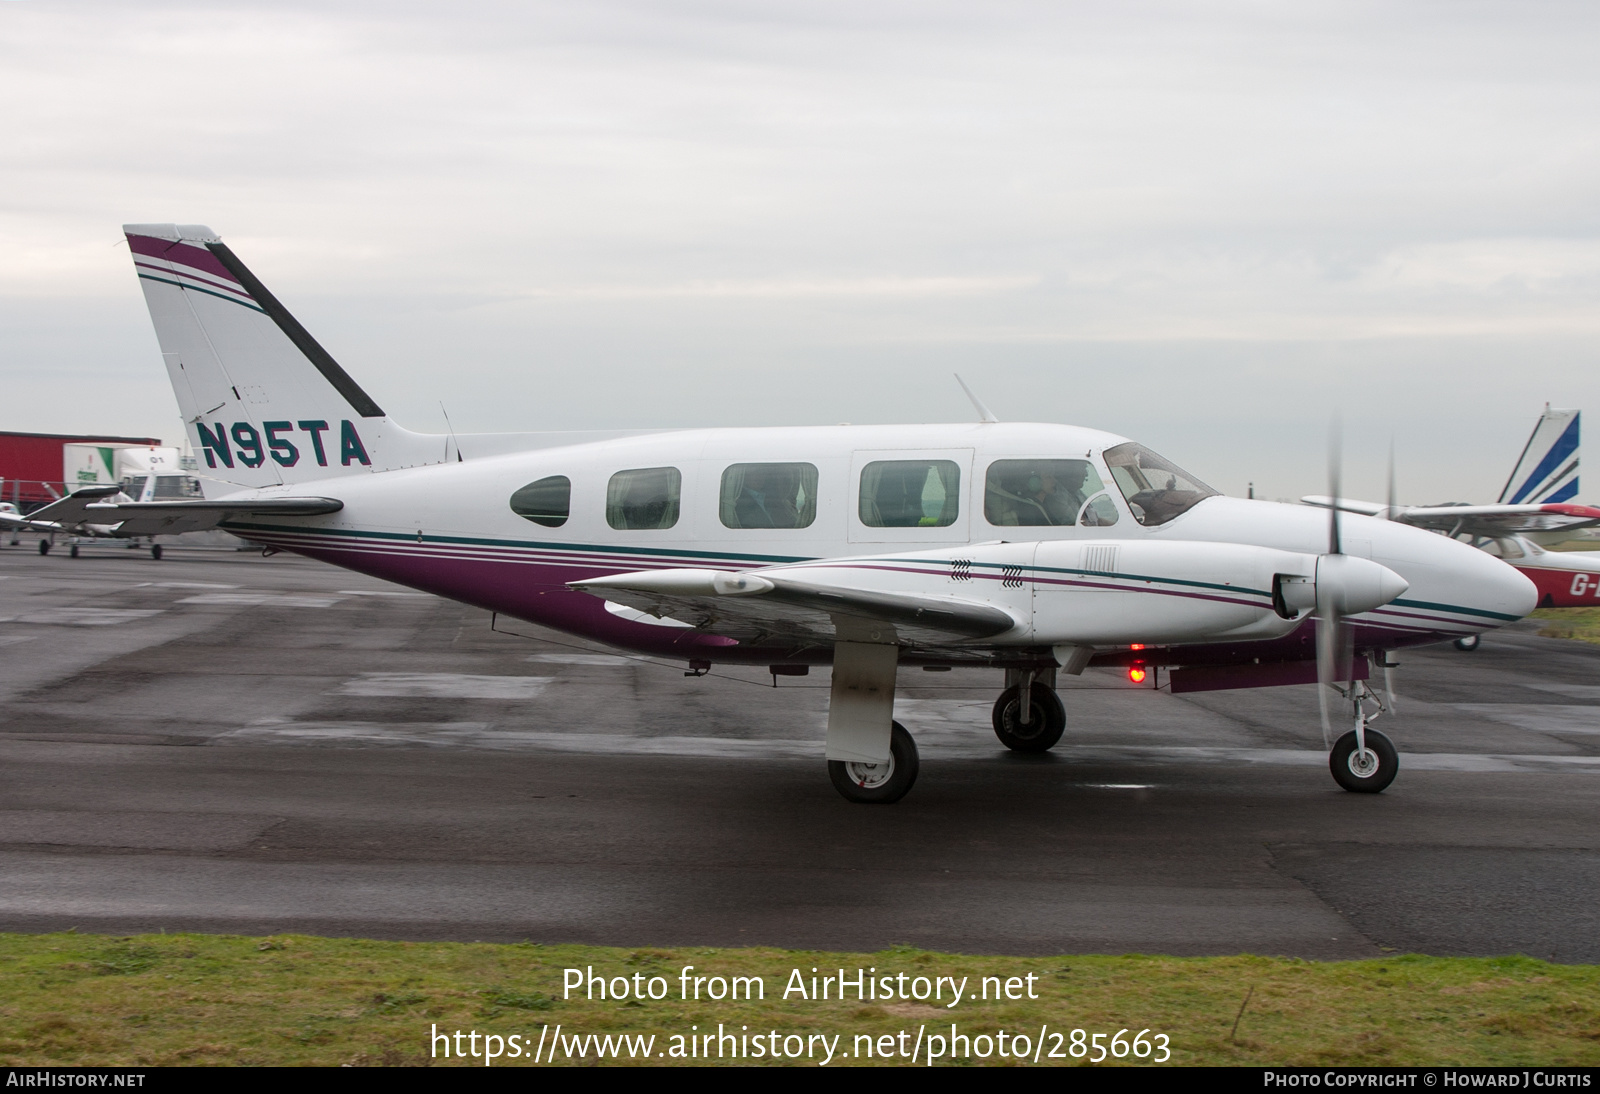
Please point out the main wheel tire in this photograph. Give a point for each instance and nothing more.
(155, 551)
(1468, 644)
(72, 552)
(879, 784)
(1046, 721)
(44, 546)
(1368, 775)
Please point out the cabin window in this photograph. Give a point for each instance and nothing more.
(910, 494)
(769, 495)
(644, 498)
(1040, 492)
(1099, 513)
(547, 502)
(1157, 490)
(1504, 548)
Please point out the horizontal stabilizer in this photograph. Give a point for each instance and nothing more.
(282, 507)
(166, 518)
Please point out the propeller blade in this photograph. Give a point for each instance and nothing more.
(1335, 459)
(1388, 513)
(1326, 643)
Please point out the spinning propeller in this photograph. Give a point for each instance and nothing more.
(1346, 586)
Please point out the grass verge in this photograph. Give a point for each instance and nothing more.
(70, 999)
(1582, 624)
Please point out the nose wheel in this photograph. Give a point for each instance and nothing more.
(1366, 770)
(1364, 761)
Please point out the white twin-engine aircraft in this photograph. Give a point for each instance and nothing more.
(1032, 549)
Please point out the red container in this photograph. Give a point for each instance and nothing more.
(30, 464)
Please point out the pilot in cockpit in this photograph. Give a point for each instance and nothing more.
(1048, 493)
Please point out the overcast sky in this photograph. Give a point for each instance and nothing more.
(1205, 226)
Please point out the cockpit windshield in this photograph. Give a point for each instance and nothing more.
(1157, 489)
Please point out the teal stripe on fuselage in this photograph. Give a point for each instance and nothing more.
(1431, 606)
(473, 541)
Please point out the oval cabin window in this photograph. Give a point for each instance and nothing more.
(547, 502)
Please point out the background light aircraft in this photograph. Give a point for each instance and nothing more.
(123, 472)
(1535, 510)
(71, 516)
(1032, 549)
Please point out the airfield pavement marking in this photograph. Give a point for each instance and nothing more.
(1540, 717)
(277, 600)
(485, 735)
(83, 617)
(579, 659)
(1576, 691)
(443, 685)
(385, 592)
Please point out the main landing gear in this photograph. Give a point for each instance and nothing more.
(1364, 761)
(1034, 726)
(1468, 643)
(872, 759)
(879, 784)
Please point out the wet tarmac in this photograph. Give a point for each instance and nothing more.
(223, 742)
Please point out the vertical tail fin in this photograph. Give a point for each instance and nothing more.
(262, 402)
(1547, 470)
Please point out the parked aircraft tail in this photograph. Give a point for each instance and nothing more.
(263, 403)
(1547, 470)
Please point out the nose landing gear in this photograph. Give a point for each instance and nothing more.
(1363, 761)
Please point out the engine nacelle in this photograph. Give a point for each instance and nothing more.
(1118, 592)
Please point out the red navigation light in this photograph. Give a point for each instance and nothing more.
(1136, 673)
(1137, 646)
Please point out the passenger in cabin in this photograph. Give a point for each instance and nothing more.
(899, 495)
(1036, 492)
(645, 505)
(910, 494)
(767, 499)
(644, 498)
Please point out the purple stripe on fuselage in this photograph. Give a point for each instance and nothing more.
(182, 253)
(505, 585)
(484, 583)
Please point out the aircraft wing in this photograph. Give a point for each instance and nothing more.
(1476, 520)
(1501, 520)
(25, 524)
(72, 509)
(152, 518)
(751, 607)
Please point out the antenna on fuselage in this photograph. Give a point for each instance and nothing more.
(984, 413)
(452, 435)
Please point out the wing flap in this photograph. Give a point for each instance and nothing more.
(753, 606)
